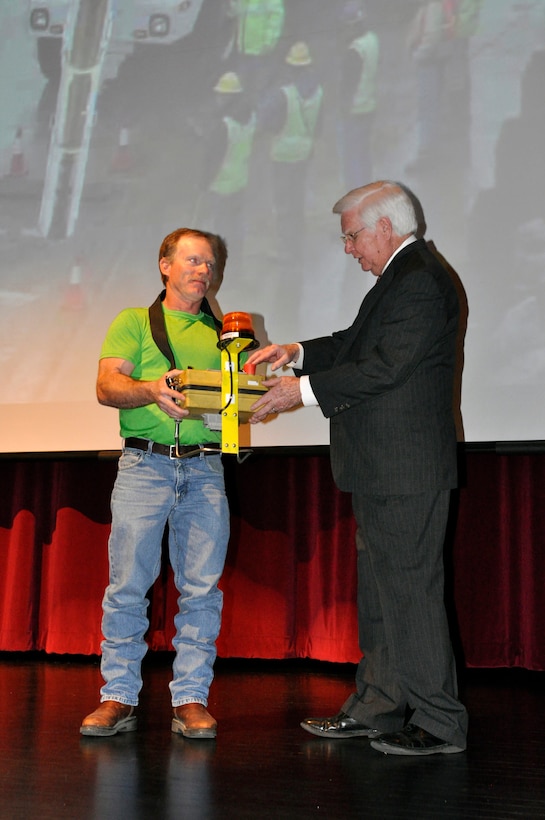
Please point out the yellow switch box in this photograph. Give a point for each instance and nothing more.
(203, 392)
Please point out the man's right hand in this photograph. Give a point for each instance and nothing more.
(277, 355)
(168, 399)
(117, 388)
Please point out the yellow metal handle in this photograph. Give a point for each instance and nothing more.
(230, 354)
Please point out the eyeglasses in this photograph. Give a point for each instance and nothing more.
(345, 237)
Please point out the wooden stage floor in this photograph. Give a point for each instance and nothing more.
(262, 764)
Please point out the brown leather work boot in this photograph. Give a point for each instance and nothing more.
(110, 718)
(192, 720)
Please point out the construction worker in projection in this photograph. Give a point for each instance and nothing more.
(292, 114)
(357, 94)
(258, 26)
(438, 41)
(227, 150)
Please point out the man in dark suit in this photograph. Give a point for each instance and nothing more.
(386, 384)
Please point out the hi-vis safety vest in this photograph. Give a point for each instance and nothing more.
(367, 47)
(260, 24)
(233, 174)
(467, 17)
(294, 143)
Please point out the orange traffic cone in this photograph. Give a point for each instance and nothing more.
(18, 167)
(74, 298)
(123, 160)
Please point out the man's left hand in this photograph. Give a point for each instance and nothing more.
(283, 394)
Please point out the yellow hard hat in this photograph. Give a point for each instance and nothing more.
(299, 54)
(228, 83)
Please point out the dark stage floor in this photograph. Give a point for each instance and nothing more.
(262, 764)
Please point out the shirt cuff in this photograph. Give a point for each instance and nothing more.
(307, 394)
(299, 363)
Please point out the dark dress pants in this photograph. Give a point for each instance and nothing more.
(408, 668)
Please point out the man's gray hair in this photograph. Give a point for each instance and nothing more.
(383, 198)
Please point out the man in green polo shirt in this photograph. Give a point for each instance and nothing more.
(170, 472)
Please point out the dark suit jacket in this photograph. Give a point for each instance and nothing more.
(386, 382)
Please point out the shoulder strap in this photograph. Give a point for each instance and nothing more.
(205, 307)
(159, 330)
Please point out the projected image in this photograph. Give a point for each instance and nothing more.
(125, 119)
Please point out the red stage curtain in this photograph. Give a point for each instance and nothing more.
(289, 583)
(499, 561)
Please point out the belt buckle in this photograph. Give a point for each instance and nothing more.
(174, 456)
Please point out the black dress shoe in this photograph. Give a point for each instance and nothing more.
(412, 740)
(340, 725)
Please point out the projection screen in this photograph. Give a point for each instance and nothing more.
(112, 114)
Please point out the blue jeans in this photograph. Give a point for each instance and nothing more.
(150, 491)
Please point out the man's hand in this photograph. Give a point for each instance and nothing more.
(283, 394)
(169, 400)
(117, 388)
(279, 355)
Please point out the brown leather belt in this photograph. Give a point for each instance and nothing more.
(170, 450)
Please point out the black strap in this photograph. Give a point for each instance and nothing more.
(205, 307)
(159, 330)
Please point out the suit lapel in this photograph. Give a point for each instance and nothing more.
(369, 301)
(377, 291)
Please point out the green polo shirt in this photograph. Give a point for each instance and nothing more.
(193, 339)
